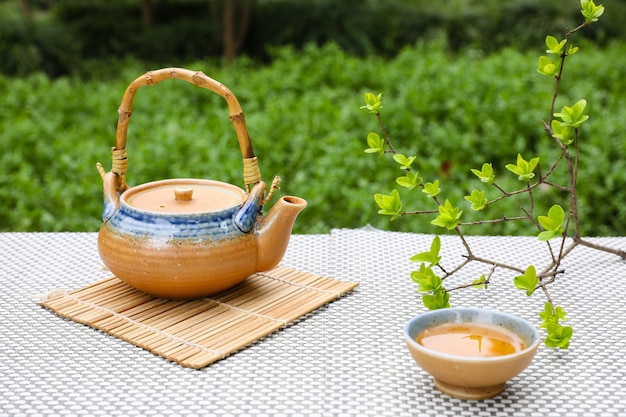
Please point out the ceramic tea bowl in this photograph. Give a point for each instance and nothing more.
(465, 377)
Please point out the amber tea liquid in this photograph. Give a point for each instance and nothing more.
(471, 339)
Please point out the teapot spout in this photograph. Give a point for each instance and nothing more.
(273, 231)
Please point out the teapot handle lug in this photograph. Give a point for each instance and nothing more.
(246, 217)
(111, 196)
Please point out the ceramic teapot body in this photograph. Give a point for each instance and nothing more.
(190, 238)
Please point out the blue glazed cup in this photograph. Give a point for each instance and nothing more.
(464, 377)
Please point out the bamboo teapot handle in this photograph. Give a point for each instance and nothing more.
(251, 171)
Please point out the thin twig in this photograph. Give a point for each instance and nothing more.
(456, 269)
(406, 213)
(499, 264)
(385, 133)
(618, 252)
(498, 220)
(485, 282)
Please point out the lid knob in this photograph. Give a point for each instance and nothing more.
(183, 193)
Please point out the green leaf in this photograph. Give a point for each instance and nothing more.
(403, 161)
(557, 334)
(550, 315)
(410, 180)
(554, 46)
(426, 279)
(437, 300)
(373, 103)
(547, 315)
(590, 11)
(448, 217)
(562, 132)
(430, 257)
(552, 223)
(559, 313)
(390, 205)
(480, 283)
(478, 200)
(573, 116)
(435, 296)
(527, 282)
(572, 50)
(545, 66)
(524, 169)
(431, 188)
(485, 174)
(376, 144)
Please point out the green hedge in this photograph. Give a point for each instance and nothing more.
(454, 111)
(68, 35)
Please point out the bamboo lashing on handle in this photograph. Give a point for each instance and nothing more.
(119, 160)
(251, 171)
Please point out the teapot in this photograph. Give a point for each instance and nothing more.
(190, 238)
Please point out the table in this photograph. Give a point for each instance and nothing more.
(347, 358)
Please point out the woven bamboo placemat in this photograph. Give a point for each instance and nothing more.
(199, 332)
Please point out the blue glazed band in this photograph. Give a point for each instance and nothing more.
(211, 225)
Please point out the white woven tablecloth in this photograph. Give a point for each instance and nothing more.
(346, 358)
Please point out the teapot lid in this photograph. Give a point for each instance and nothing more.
(181, 196)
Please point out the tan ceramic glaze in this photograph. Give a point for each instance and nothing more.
(184, 196)
(190, 238)
(471, 378)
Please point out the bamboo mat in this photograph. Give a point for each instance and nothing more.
(196, 333)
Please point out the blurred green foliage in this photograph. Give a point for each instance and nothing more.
(455, 111)
(73, 36)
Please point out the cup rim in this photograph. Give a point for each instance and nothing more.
(409, 338)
